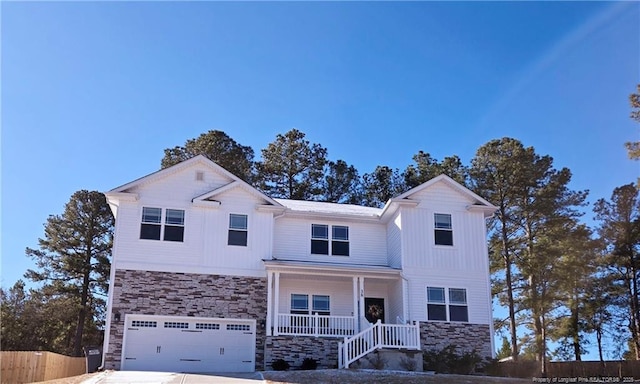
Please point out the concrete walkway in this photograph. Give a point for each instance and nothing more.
(140, 377)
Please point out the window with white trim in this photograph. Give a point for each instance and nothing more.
(238, 230)
(320, 304)
(167, 224)
(443, 230)
(174, 225)
(447, 304)
(299, 304)
(320, 240)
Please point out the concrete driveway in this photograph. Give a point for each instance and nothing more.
(140, 377)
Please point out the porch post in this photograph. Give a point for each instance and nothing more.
(405, 301)
(356, 318)
(361, 296)
(269, 302)
(276, 303)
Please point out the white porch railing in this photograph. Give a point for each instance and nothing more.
(392, 336)
(315, 325)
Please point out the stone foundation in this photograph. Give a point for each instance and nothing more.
(391, 359)
(186, 294)
(466, 337)
(294, 349)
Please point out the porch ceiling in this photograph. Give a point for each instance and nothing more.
(331, 269)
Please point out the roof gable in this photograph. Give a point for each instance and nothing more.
(408, 198)
(230, 180)
(210, 196)
(449, 182)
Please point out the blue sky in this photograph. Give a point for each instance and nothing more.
(92, 92)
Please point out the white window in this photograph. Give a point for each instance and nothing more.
(443, 229)
(447, 305)
(320, 240)
(340, 240)
(152, 227)
(321, 304)
(174, 225)
(299, 304)
(237, 230)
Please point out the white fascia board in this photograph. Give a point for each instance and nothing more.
(121, 196)
(488, 210)
(270, 208)
(237, 184)
(206, 203)
(392, 206)
(331, 216)
(308, 268)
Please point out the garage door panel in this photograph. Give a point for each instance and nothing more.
(165, 343)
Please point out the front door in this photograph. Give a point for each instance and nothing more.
(374, 309)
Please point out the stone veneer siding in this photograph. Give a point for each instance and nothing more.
(186, 294)
(294, 349)
(466, 337)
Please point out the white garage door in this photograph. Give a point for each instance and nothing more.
(188, 344)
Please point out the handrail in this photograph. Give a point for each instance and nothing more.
(394, 336)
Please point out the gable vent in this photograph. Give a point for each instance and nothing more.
(199, 175)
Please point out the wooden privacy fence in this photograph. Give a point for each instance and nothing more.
(573, 369)
(29, 367)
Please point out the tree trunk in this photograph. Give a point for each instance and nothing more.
(635, 311)
(599, 338)
(512, 312)
(575, 328)
(84, 299)
(543, 359)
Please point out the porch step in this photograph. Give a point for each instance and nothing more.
(392, 359)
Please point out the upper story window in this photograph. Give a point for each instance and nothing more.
(443, 231)
(320, 240)
(174, 225)
(340, 240)
(447, 305)
(238, 230)
(152, 227)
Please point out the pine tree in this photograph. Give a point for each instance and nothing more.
(73, 258)
(426, 168)
(620, 232)
(341, 183)
(292, 167)
(381, 185)
(218, 147)
(633, 147)
(496, 175)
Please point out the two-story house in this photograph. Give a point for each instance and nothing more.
(211, 275)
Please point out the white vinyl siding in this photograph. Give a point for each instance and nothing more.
(204, 249)
(367, 241)
(340, 292)
(394, 242)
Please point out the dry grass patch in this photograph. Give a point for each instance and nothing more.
(357, 376)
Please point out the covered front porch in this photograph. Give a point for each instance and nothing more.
(330, 299)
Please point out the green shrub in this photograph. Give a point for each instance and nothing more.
(448, 360)
(280, 365)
